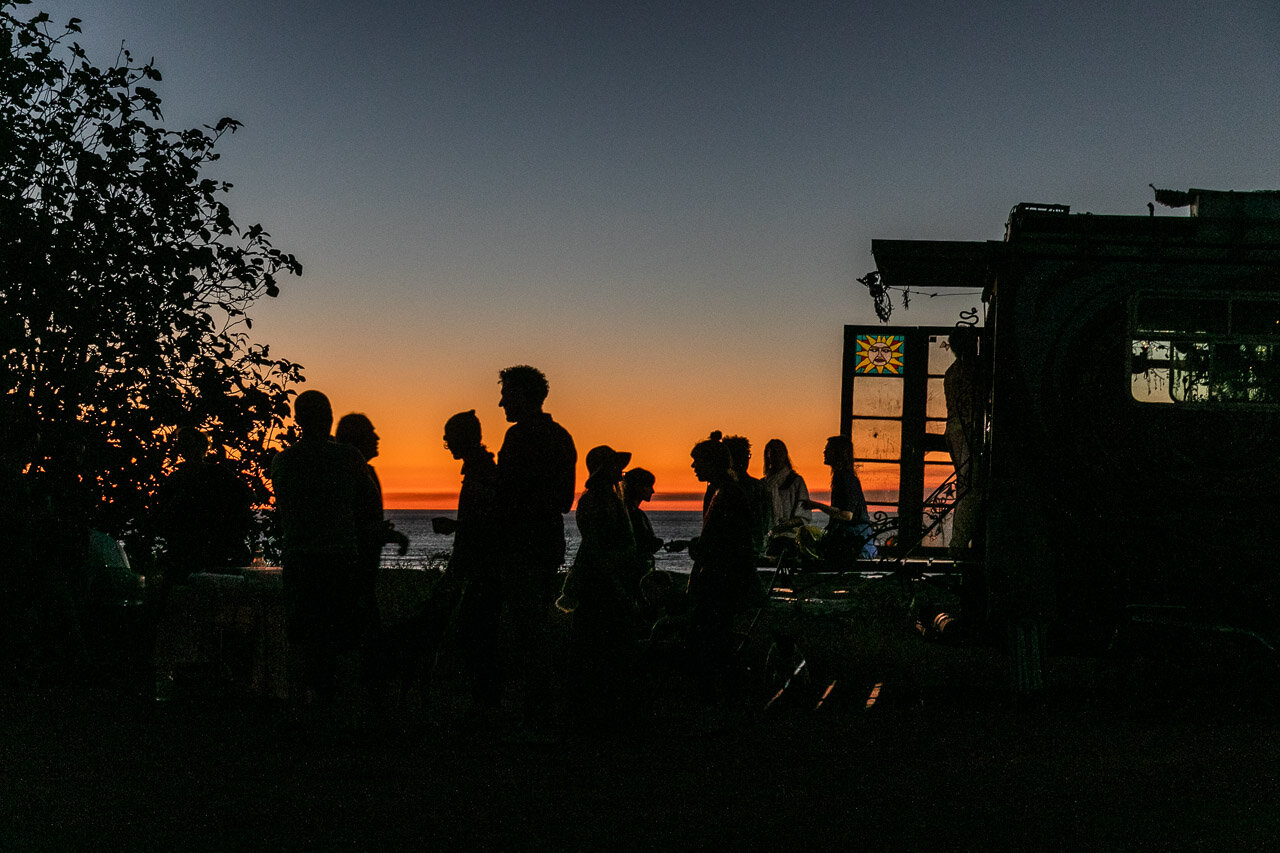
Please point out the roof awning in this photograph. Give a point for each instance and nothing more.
(936, 263)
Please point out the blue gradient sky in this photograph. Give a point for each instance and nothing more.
(665, 205)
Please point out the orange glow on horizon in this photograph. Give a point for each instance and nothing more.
(656, 423)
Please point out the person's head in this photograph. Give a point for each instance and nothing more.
(524, 389)
(192, 444)
(838, 453)
(462, 434)
(357, 430)
(776, 457)
(312, 413)
(656, 587)
(638, 485)
(605, 466)
(739, 452)
(711, 460)
(964, 343)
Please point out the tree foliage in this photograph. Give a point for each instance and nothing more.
(124, 282)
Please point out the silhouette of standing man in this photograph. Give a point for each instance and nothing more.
(537, 469)
(320, 487)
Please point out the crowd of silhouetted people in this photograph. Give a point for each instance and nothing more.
(505, 575)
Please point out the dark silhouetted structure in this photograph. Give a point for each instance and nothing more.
(1130, 404)
(964, 413)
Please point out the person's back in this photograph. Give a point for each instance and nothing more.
(318, 486)
(475, 551)
(536, 479)
(848, 539)
(536, 482)
(537, 467)
(757, 493)
(724, 552)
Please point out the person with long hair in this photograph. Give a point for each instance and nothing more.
(787, 492)
(848, 535)
(603, 644)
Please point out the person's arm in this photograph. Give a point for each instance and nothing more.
(827, 509)
(391, 536)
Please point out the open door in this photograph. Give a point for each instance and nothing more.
(893, 407)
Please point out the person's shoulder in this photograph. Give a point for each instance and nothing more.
(481, 468)
(282, 459)
(347, 453)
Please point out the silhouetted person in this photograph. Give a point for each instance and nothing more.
(536, 479)
(637, 487)
(849, 534)
(373, 532)
(62, 564)
(17, 567)
(320, 489)
(740, 452)
(786, 492)
(960, 386)
(205, 513)
(470, 587)
(603, 643)
(723, 581)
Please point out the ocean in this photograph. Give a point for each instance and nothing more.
(430, 550)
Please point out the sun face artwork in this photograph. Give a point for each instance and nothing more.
(879, 354)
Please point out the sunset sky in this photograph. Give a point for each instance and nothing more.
(665, 206)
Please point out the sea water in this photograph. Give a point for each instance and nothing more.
(431, 550)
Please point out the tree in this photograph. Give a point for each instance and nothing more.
(124, 282)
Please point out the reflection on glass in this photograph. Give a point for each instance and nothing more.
(1150, 369)
(1205, 350)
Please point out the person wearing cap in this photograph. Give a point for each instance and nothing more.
(602, 637)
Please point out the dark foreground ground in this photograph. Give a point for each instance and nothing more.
(1175, 751)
